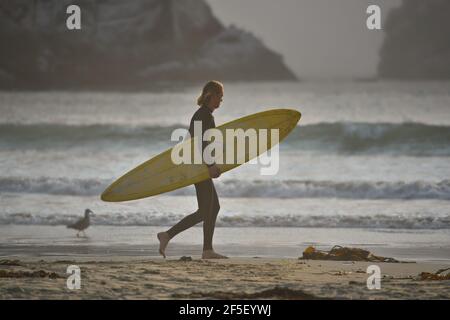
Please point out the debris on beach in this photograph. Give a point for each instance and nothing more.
(273, 293)
(29, 274)
(186, 258)
(10, 262)
(439, 275)
(339, 253)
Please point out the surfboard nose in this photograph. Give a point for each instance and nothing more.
(296, 115)
(299, 114)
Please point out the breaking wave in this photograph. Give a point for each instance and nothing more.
(250, 189)
(415, 139)
(379, 221)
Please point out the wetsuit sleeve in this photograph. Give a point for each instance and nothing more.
(207, 123)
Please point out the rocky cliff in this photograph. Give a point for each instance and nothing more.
(417, 43)
(126, 45)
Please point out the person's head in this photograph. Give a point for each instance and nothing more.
(211, 96)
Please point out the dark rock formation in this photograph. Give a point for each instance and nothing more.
(417, 43)
(125, 45)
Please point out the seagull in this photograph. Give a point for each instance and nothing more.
(81, 224)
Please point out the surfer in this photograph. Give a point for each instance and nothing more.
(208, 202)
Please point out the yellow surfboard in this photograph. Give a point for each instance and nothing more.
(160, 174)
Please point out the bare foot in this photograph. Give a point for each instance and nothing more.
(210, 254)
(163, 238)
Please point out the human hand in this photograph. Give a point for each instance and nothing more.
(214, 171)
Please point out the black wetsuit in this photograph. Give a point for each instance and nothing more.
(208, 202)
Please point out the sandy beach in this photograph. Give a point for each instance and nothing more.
(235, 278)
(123, 263)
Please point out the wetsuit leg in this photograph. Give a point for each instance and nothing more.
(205, 197)
(212, 208)
(185, 223)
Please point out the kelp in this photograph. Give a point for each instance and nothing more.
(339, 253)
(439, 275)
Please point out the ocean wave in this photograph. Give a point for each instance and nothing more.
(306, 221)
(332, 189)
(55, 186)
(54, 136)
(251, 189)
(415, 139)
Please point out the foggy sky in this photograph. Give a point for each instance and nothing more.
(318, 38)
